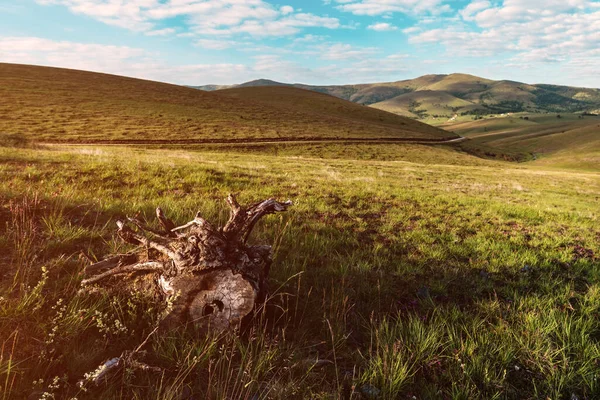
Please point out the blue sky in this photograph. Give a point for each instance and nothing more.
(198, 42)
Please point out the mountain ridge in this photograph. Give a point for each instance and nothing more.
(484, 96)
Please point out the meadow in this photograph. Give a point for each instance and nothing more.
(401, 272)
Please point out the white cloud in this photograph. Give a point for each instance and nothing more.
(215, 44)
(309, 39)
(382, 27)
(473, 8)
(120, 60)
(359, 64)
(34, 50)
(412, 29)
(285, 26)
(160, 32)
(125, 14)
(514, 11)
(533, 31)
(392, 67)
(342, 51)
(286, 10)
(205, 17)
(378, 7)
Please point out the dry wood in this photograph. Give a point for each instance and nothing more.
(209, 277)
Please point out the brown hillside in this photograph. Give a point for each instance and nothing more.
(54, 104)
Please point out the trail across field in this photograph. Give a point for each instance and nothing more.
(255, 141)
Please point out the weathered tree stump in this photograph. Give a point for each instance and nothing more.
(207, 277)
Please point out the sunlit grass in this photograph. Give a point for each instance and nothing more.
(424, 273)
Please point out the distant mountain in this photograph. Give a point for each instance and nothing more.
(212, 88)
(455, 94)
(262, 82)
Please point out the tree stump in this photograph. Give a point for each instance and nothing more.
(206, 277)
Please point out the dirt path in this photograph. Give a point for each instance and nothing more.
(254, 141)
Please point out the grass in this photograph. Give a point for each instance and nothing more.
(422, 272)
(326, 107)
(569, 142)
(53, 105)
(426, 103)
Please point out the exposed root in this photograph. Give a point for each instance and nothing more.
(208, 278)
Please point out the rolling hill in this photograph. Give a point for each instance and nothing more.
(571, 141)
(53, 104)
(326, 108)
(468, 95)
(419, 103)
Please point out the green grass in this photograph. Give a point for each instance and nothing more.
(328, 108)
(425, 273)
(567, 142)
(426, 104)
(52, 104)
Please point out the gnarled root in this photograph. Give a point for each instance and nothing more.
(208, 276)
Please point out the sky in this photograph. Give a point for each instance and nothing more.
(197, 42)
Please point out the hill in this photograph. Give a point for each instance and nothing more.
(481, 96)
(571, 141)
(261, 82)
(54, 104)
(329, 109)
(420, 103)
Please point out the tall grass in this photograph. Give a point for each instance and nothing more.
(25, 240)
(390, 279)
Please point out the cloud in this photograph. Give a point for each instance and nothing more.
(378, 7)
(34, 50)
(473, 8)
(203, 17)
(373, 69)
(121, 60)
(160, 32)
(139, 63)
(359, 64)
(286, 10)
(125, 14)
(286, 26)
(309, 39)
(533, 31)
(215, 44)
(342, 51)
(382, 27)
(412, 29)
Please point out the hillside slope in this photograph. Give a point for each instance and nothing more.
(429, 102)
(318, 107)
(568, 142)
(488, 96)
(53, 104)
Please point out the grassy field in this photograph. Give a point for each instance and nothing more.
(54, 104)
(328, 107)
(425, 101)
(401, 272)
(566, 142)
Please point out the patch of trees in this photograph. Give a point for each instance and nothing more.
(554, 102)
(413, 108)
(507, 106)
(477, 111)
